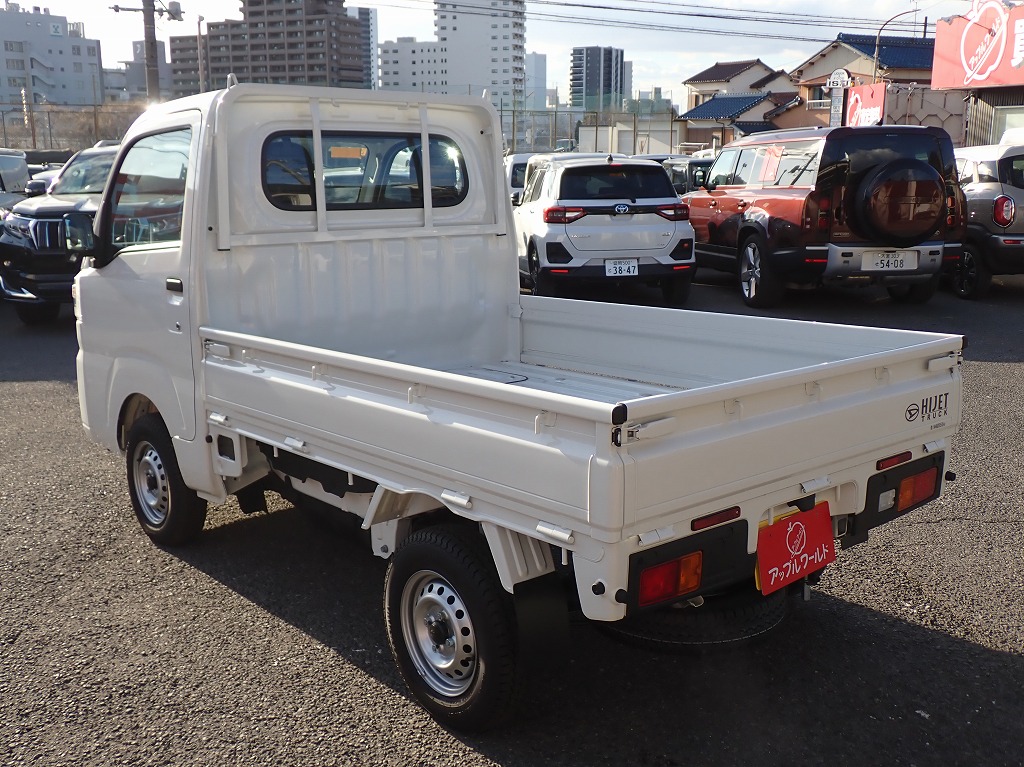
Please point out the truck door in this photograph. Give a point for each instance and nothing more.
(135, 318)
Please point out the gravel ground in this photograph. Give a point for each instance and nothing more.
(263, 644)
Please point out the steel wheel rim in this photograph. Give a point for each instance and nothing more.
(438, 633)
(151, 486)
(750, 272)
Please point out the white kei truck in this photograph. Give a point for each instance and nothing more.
(313, 291)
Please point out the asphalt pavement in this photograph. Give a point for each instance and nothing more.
(263, 644)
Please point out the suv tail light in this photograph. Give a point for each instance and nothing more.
(563, 215)
(818, 214)
(677, 212)
(1003, 210)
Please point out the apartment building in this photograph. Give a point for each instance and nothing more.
(47, 57)
(599, 79)
(298, 42)
(480, 47)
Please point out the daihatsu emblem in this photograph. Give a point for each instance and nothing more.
(620, 209)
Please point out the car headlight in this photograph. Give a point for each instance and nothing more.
(17, 226)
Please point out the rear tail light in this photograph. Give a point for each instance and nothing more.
(677, 212)
(917, 488)
(951, 210)
(563, 215)
(670, 579)
(1003, 210)
(818, 213)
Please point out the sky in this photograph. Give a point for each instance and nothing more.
(667, 42)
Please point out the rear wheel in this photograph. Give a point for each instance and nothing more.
(915, 292)
(971, 278)
(541, 282)
(676, 289)
(760, 287)
(450, 626)
(169, 511)
(37, 314)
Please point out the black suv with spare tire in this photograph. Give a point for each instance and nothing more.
(877, 205)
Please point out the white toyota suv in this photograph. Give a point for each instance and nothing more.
(610, 218)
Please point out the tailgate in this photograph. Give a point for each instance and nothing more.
(717, 446)
(619, 227)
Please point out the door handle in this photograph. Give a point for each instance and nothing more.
(174, 285)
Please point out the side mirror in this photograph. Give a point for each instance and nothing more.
(35, 187)
(78, 233)
(517, 198)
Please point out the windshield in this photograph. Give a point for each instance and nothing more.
(85, 174)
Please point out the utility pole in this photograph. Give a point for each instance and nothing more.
(149, 35)
(149, 12)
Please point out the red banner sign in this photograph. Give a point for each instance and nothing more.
(982, 49)
(865, 105)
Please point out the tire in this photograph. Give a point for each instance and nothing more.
(37, 314)
(675, 290)
(759, 287)
(451, 628)
(914, 293)
(170, 512)
(971, 279)
(723, 620)
(540, 283)
(875, 216)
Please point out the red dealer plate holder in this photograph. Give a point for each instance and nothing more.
(795, 546)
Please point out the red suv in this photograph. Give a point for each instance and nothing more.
(816, 206)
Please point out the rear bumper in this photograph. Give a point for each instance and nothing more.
(1003, 253)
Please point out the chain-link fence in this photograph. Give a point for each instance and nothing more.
(45, 126)
(625, 132)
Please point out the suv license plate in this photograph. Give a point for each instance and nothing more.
(622, 267)
(795, 546)
(889, 260)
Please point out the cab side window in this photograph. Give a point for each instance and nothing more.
(149, 190)
(721, 172)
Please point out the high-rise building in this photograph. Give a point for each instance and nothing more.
(48, 58)
(480, 47)
(298, 42)
(535, 83)
(598, 79)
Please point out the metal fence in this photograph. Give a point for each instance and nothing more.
(626, 132)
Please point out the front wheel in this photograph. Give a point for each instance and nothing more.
(760, 287)
(971, 278)
(169, 511)
(450, 626)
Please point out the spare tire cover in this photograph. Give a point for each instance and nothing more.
(900, 203)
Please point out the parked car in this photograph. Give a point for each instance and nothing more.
(13, 178)
(688, 174)
(515, 170)
(35, 270)
(877, 205)
(602, 218)
(992, 178)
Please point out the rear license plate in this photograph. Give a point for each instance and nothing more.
(622, 267)
(889, 260)
(795, 546)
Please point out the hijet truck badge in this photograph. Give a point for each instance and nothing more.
(929, 408)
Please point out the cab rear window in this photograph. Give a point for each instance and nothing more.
(615, 182)
(362, 171)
